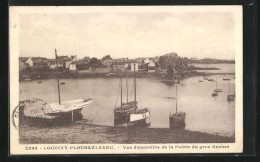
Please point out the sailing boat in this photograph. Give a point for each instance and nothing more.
(230, 97)
(217, 90)
(177, 119)
(122, 113)
(68, 110)
(140, 116)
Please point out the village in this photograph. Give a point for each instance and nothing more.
(71, 66)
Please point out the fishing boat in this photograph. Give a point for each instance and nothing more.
(129, 113)
(212, 80)
(69, 110)
(226, 78)
(122, 113)
(214, 94)
(140, 116)
(217, 89)
(230, 97)
(177, 119)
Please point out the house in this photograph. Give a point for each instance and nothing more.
(118, 66)
(107, 62)
(151, 67)
(134, 66)
(22, 65)
(73, 66)
(29, 62)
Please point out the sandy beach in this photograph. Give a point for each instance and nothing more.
(82, 132)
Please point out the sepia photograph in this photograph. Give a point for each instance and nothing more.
(126, 79)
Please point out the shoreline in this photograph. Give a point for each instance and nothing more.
(73, 75)
(82, 133)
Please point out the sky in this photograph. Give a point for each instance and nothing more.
(131, 35)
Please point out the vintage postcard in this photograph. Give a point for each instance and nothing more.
(126, 79)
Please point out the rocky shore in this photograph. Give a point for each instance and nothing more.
(82, 133)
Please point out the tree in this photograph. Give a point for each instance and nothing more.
(94, 63)
(107, 57)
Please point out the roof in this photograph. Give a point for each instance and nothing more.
(119, 63)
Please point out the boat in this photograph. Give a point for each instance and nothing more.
(129, 113)
(205, 78)
(110, 74)
(122, 113)
(214, 94)
(140, 116)
(69, 110)
(27, 77)
(177, 119)
(200, 80)
(226, 78)
(212, 80)
(217, 89)
(62, 83)
(230, 97)
(40, 82)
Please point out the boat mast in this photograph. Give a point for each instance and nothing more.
(229, 87)
(176, 98)
(135, 85)
(216, 83)
(58, 80)
(126, 88)
(121, 89)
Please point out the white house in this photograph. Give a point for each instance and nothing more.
(151, 67)
(134, 65)
(30, 62)
(72, 66)
(147, 61)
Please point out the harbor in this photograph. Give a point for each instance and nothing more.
(206, 114)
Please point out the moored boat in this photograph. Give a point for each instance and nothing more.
(130, 113)
(230, 97)
(217, 89)
(177, 119)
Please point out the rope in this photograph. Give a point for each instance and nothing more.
(102, 108)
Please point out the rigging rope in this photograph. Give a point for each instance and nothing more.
(118, 92)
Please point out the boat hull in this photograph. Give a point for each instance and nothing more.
(217, 90)
(141, 118)
(177, 121)
(230, 97)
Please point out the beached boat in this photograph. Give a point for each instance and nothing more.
(177, 119)
(122, 113)
(230, 97)
(217, 89)
(214, 94)
(129, 113)
(140, 116)
(205, 78)
(68, 110)
(62, 83)
(200, 80)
